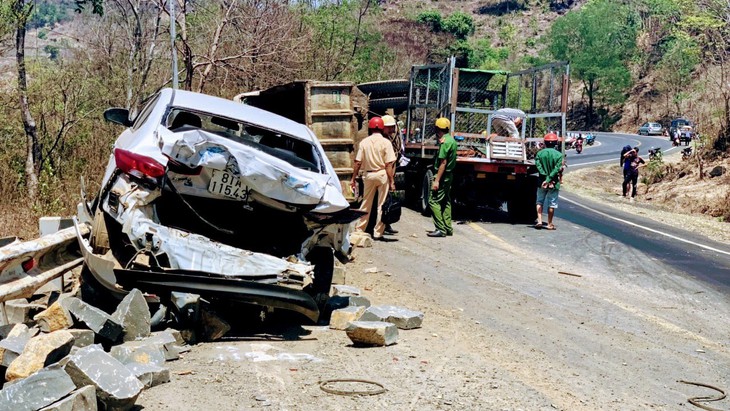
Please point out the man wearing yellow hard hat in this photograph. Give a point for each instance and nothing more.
(445, 164)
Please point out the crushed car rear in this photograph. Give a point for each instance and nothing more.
(207, 196)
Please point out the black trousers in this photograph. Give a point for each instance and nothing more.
(630, 178)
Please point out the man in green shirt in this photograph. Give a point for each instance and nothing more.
(549, 162)
(440, 200)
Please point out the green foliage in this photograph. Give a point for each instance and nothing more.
(47, 14)
(680, 57)
(507, 32)
(52, 51)
(346, 40)
(459, 24)
(486, 57)
(6, 18)
(598, 40)
(432, 18)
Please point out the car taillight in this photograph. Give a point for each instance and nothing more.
(138, 165)
(28, 265)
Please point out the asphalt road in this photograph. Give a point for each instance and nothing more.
(608, 147)
(587, 227)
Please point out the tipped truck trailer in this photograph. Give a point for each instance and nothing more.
(335, 111)
(489, 171)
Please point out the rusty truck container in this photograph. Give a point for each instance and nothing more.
(333, 110)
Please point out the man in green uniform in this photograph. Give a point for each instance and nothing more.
(440, 200)
(549, 162)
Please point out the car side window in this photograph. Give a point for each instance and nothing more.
(146, 111)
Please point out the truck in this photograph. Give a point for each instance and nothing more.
(491, 170)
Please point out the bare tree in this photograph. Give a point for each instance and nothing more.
(139, 22)
(21, 13)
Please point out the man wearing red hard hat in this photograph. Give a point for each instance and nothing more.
(549, 163)
(376, 158)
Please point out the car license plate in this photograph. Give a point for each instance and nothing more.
(481, 175)
(227, 184)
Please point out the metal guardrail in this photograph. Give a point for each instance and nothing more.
(27, 265)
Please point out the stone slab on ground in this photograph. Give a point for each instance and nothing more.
(116, 386)
(20, 310)
(82, 338)
(167, 340)
(14, 343)
(145, 361)
(376, 333)
(95, 319)
(345, 291)
(339, 274)
(403, 318)
(339, 301)
(142, 352)
(37, 391)
(54, 318)
(133, 314)
(361, 240)
(83, 399)
(40, 351)
(341, 319)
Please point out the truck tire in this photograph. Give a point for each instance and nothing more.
(425, 209)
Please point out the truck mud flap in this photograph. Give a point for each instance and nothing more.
(217, 286)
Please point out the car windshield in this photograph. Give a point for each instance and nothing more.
(294, 151)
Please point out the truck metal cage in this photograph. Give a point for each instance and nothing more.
(470, 97)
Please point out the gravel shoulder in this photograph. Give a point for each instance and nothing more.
(503, 330)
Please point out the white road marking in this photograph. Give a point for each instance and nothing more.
(674, 237)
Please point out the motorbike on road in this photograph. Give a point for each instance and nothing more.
(579, 145)
(655, 154)
(686, 153)
(590, 139)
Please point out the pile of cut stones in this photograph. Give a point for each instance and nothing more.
(60, 353)
(368, 325)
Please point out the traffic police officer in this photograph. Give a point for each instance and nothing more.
(440, 200)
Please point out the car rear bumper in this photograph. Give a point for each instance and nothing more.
(216, 286)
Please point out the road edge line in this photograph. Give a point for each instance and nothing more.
(674, 237)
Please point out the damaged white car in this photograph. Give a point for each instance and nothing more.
(207, 196)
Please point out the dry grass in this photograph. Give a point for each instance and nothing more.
(682, 199)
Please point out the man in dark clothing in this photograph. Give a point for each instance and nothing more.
(549, 163)
(624, 150)
(632, 163)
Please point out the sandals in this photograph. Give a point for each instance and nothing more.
(550, 227)
(538, 226)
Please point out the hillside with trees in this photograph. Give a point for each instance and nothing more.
(63, 62)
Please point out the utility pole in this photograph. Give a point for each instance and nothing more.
(173, 21)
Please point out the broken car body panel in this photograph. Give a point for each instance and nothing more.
(203, 185)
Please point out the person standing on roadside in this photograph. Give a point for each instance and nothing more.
(396, 141)
(440, 201)
(375, 157)
(632, 163)
(549, 163)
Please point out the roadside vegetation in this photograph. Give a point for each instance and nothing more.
(631, 62)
